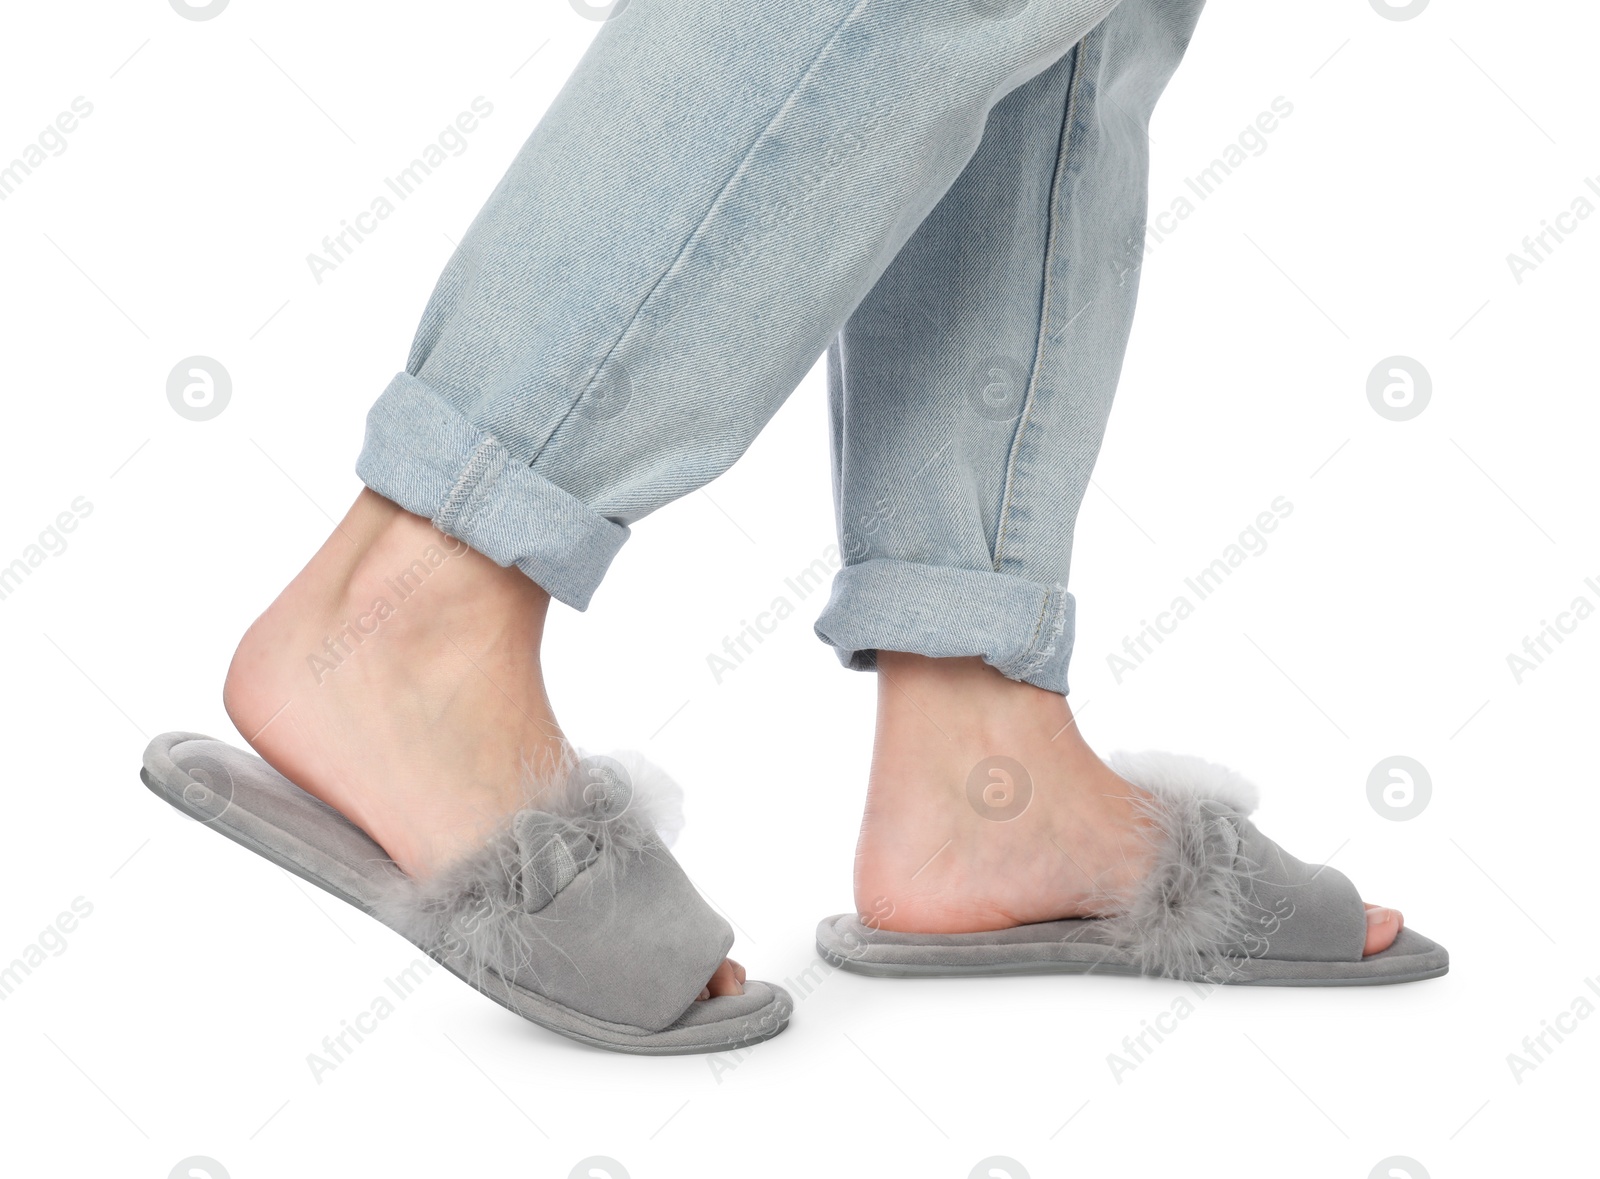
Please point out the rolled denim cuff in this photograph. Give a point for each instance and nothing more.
(1021, 628)
(429, 458)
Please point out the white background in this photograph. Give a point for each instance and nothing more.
(1419, 554)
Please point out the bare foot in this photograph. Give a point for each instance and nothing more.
(928, 862)
(397, 679)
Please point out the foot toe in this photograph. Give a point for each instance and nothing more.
(1383, 926)
(727, 979)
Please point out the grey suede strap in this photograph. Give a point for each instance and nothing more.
(620, 935)
(1298, 912)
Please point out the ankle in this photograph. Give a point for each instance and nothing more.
(962, 702)
(392, 596)
(939, 717)
(397, 678)
(405, 555)
(986, 808)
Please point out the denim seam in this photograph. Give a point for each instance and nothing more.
(1054, 607)
(482, 501)
(1063, 151)
(479, 467)
(1010, 667)
(695, 234)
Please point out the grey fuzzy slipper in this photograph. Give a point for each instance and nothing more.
(574, 915)
(1223, 904)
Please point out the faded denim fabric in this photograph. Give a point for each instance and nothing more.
(946, 196)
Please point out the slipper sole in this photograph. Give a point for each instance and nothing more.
(1071, 947)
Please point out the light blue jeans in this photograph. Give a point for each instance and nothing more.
(946, 196)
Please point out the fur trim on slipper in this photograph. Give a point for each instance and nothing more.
(1193, 910)
(593, 814)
